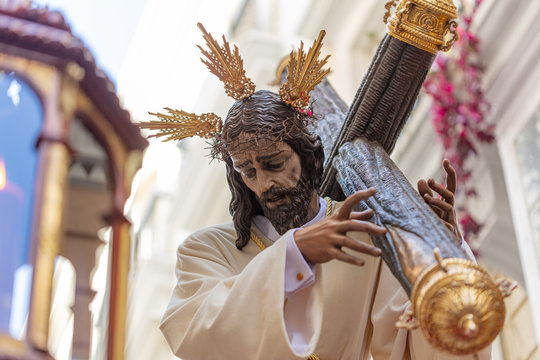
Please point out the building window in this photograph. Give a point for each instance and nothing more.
(527, 147)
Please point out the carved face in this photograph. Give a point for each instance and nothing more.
(268, 166)
(273, 172)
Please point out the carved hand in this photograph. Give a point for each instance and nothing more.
(323, 241)
(443, 206)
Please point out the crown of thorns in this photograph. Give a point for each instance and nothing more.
(305, 71)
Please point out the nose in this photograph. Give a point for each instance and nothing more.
(266, 181)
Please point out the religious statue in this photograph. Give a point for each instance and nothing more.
(298, 276)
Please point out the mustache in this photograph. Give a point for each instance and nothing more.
(276, 192)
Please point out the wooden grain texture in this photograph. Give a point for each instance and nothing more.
(383, 101)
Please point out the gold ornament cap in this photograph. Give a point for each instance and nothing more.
(424, 24)
(227, 65)
(305, 71)
(458, 307)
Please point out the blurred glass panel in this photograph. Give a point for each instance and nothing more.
(534, 217)
(528, 153)
(20, 123)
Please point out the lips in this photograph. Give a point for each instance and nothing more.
(275, 197)
(276, 200)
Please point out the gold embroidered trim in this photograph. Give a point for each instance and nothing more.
(257, 241)
(329, 206)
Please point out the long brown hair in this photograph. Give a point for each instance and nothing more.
(265, 116)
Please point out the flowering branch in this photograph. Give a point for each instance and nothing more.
(459, 113)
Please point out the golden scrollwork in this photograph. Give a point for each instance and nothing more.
(388, 6)
(506, 286)
(455, 37)
(407, 321)
(424, 23)
(459, 308)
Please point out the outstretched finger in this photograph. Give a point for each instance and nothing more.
(345, 210)
(348, 258)
(361, 215)
(437, 211)
(451, 179)
(423, 188)
(360, 246)
(361, 226)
(445, 193)
(426, 192)
(440, 204)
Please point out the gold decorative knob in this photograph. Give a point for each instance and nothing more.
(467, 326)
(458, 307)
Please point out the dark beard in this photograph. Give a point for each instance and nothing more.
(291, 215)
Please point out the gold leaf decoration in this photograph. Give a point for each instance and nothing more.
(179, 124)
(459, 308)
(304, 73)
(227, 66)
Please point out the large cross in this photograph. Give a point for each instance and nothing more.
(420, 251)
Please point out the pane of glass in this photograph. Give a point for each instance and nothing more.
(20, 123)
(534, 217)
(528, 154)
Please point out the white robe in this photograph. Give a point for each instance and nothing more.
(230, 304)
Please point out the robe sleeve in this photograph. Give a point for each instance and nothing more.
(391, 343)
(217, 313)
(296, 264)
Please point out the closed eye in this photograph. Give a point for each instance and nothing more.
(249, 173)
(274, 165)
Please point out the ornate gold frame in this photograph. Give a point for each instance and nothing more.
(423, 23)
(52, 167)
(55, 87)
